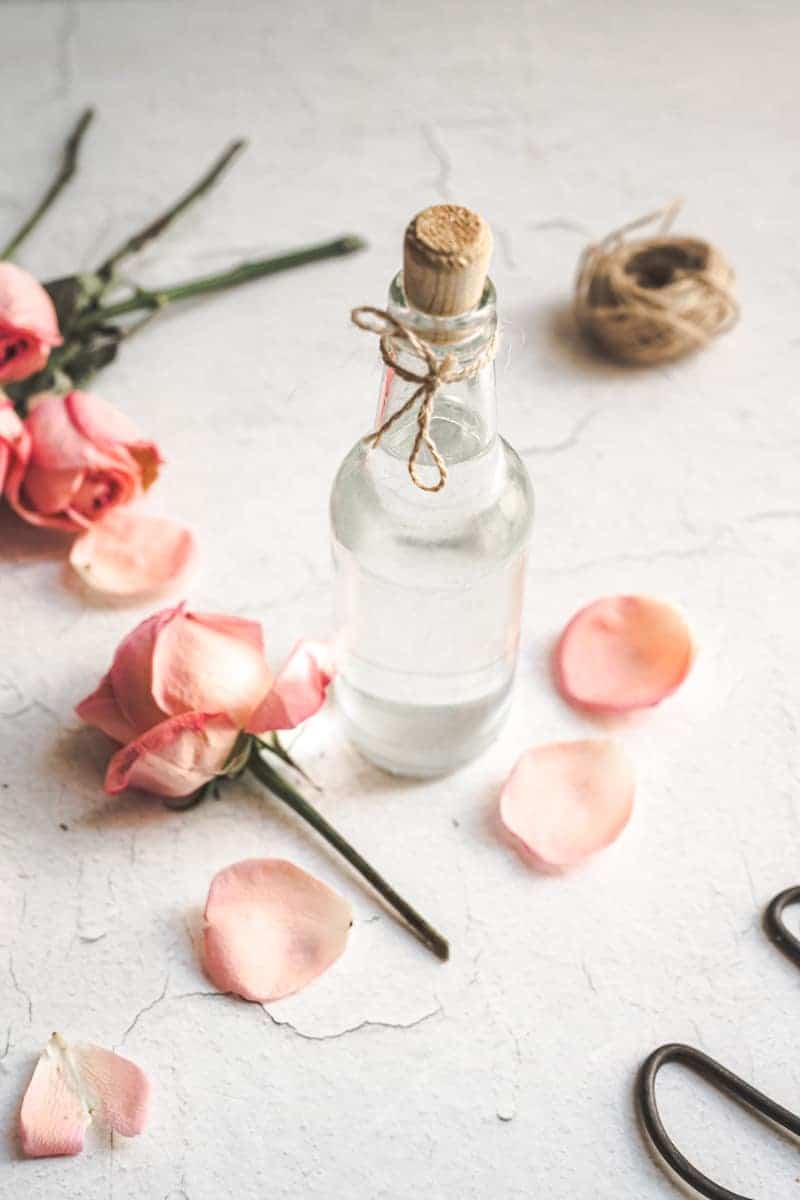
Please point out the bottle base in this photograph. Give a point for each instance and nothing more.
(420, 741)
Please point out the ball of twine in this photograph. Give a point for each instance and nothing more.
(650, 299)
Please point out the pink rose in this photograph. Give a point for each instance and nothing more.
(82, 458)
(13, 438)
(28, 324)
(181, 688)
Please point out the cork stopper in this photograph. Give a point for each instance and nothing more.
(446, 256)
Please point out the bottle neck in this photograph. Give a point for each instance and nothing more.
(464, 423)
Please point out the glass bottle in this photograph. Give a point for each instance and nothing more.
(429, 585)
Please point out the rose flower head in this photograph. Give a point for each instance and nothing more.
(28, 324)
(81, 458)
(182, 687)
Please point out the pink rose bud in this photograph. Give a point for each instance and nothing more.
(83, 458)
(28, 324)
(13, 438)
(181, 687)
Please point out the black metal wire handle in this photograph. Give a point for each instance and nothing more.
(721, 1078)
(775, 926)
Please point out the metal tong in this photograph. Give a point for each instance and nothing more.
(712, 1071)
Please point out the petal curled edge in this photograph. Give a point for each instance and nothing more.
(174, 758)
(132, 670)
(299, 689)
(132, 554)
(271, 928)
(100, 709)
(565, 801)
(622, 653)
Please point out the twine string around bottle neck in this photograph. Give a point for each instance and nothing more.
(394, 337)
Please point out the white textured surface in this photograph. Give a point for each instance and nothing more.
(508, 1072)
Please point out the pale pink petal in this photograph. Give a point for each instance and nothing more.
(132, 554)
(54, 1113)
(298, 691)
(25, 305)
(271, 928)
(69, 1087)
(101, 710)
(120, 1089)
(567, 800)
(174, 758)
(202, 665)
(622, 653)
(132, 670)
(234, 627)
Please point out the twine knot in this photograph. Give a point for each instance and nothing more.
(394, 336)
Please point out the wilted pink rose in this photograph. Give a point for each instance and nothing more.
(13, 438)
(28, 324)
(82, 459)
(183, 685)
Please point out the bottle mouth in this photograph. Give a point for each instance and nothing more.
(465, 330)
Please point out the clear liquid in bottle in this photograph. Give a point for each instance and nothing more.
(429, 586)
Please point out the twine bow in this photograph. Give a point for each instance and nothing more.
(393, 335)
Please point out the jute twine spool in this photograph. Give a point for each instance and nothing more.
(651, 299)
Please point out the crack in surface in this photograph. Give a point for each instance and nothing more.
(563, 223)
(146, 1009)
(367, 1024)
(641, 558)
(443, 161)
(565, 443)
(26, 996)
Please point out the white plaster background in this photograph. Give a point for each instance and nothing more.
(508, 1072)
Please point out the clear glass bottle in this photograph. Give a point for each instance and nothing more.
(429, 586)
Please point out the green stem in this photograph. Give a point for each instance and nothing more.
(281, 788)
(69, 163)
(152, 230)
(146, 299)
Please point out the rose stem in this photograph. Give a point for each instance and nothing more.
(143, 298)
(281, 788)
(152, 230)
(69, 164)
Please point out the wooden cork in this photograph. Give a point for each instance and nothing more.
(446, 256)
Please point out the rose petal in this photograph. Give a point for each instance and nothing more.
(26, 305)
(54, 1113)
(101, 710)
(622, 653)
(298, 691)
(174, 758)
(50, 491)
(121, 1089)
(57, 444)
(132, 554)
(567, 800)
(71, 1085)
(98, 421)
(271, 928)
(206, 665)
(131, 670)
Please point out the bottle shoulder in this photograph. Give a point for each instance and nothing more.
(485, 508)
